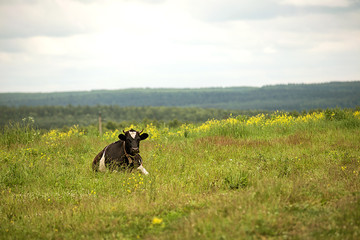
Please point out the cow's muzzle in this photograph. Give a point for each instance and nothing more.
(134, 150)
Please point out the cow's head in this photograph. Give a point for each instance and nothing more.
(132, 140)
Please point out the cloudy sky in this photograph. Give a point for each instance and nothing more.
(68, 45)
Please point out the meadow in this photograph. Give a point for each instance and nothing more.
(270, 176)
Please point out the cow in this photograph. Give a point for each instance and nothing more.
(123, 154)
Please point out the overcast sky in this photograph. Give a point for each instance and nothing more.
(67, 45)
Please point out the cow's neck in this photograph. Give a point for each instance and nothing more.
(127, 155)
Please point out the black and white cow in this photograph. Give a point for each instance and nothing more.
(123, 154)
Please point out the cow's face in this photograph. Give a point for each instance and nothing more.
(132, 140)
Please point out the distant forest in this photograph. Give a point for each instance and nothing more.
(290, 97)
(171, 107)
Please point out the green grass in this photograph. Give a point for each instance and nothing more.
(287, 182)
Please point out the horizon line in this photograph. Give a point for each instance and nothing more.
(177, 88)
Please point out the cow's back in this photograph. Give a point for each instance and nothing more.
(114, 156)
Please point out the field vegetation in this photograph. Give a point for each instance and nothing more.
(269, 176)
(50, 117)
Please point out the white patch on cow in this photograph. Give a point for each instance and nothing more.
(133, 134)
(143, 170)
(102, 167)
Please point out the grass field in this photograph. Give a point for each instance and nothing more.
(265, 177)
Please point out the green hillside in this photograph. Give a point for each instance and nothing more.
(278, 97)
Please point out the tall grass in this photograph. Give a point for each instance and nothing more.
(271, 176)
(19, 132)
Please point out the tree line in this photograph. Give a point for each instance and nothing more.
(290, 97)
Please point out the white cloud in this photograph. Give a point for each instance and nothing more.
(231, 10)
(228, 10)
(325, 3)
(46, 18)
(74, 44)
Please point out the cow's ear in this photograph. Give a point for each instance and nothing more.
(144, 136)
(122, 137)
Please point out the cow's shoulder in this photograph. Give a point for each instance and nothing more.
(115, 149)
(116, 144)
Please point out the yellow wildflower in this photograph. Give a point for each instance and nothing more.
(156, 220)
